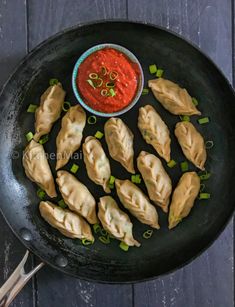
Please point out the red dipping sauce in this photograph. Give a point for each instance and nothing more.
(114, 69)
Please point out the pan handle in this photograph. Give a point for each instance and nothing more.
(16, 282)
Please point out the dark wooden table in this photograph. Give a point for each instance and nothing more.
(209, 280)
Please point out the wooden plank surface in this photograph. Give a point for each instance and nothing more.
(208, 281)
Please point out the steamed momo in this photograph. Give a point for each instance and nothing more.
(97, 163)
(49, 110)
(156, 179)
(119, 139)
(77, 196)
(68, 223)
(70, 135)
(115, 221)
(155, 131)
(135, 201)
(183, 198)
(192, 143)
(37, 168)
(172, 97)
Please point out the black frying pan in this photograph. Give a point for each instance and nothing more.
(166, 250)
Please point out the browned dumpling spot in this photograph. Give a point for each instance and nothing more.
(154, 131)
(49, 110)
(172, 97)
(68, 223)
(97, 163)
(192, 143)
(183, 198)
(156, 179)
(135, 201)
(37, 168)
(70, 136)
(119, 139)
(115, 221)
(77, 196)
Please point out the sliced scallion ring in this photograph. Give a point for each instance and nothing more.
(92, 120)
(112, 92)
(124, 246)
(204, 175)
(204, 195)
(104, 71)
(93, 75)
(184, 166)
(62, 204)
(41, 194)
(202, 187)
(44, 139)
(29, 136)
(87, 242)
(184, 118)
(145, 91)
(171, 163)
(104, 92)
(32, 108)
(203, 120)
(104, 240)
(209, 144)
(74, 168)
(194, 101)
(110, 84)
(148, 234)
(97, 228)
(91, 83)
(66, 106)
(53, 81)
(99, 134)
(113, 75)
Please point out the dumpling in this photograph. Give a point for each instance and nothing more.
(155, 131)
(192, 143)
(68, 223)
(134, 200)
(70, 136)
(77, 196)
(183, 198)
(156, 179)
(172, 97)
(49, 110)
(97, 163)
(37, 168)
(115, 221)
(119, 139)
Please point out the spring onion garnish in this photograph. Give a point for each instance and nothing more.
(172, 163)
(111, 186)
(202, 187)
(145, 91)
(209, 144)
(184, 118)
(29, 136)
(99, 135)
(104, 92)
(32, 108)
(41, 194)
(98, 82)
(104, 240)
(97, 228)
(92, 120)
(109, 84)
(203, 120)
(91, 83)
(44, 139)
(184, 166)
(148, 234)
(124, 246)
(204, 175)
(204, 195)
(113, 75)
(74, 168)
(152, 69)
(104, 232)
(62, 204)
(93, 76)
(194, 101)
(159, 73)
(53, 81)
(87, 242)
(112, 179)
(136, 178)
(66, 106)
(112, 93)
(104, 71)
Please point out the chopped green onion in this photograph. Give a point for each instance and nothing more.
(152, 69)
(159, 73)
(203, 120)
(112, 92)
(32, 108)
(87, 242)
(110, 84)
(184, 166)
(113, 75)
(104, 240)
(104, 232)
(91, 83)
(93, 76)
(171, 163)
(204, 195)
(136, 178)
(148, 234)
(98, 84)
(194, 101)
(111, 186)
(202, 187)
(97, 228)
(29, 136)
(44, 139)
(104, 92)
(145, 91)
(62, 204)
(99, 135)
(104, 71)
(74, 168)
(185, 118)
(112, 179)
(66, 106)
(53, 82)
(209, 144)
(92, 120)
(41, 194)
(204, 175)
(124, 246)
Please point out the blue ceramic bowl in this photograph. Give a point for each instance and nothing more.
(132, 58)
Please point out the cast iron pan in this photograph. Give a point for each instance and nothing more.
(166, 250)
